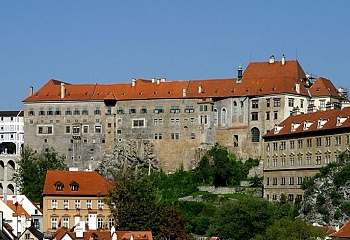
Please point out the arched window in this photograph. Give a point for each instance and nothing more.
(255, 134)
(10, 189)
(223, 116)
(10, 169)
(2, 169)
(242, 107)
(215, 116)
(234, 107)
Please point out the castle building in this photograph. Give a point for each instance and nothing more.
(11, 141)
(299, 146)
(170, 122)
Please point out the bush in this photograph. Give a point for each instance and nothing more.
(320, 200)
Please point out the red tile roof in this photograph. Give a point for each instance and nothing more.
(90, 183)
(17, 209)
(259, 78)
(323, 87)
(343, 232)
(329, 117)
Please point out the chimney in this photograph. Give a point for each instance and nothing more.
(200, 88)
(184, 92)
(92, 220)
(158, 80)
(63, 90)
(239, 74)
(133, 82)
(163, 79)
(31, 90)
(153, 80)
(272, 59)
(76, 219)
(283, 59)
(297, 88)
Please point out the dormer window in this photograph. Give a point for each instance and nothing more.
(341, 120)
(277, 129)
(59, 186)
(74, 186)
(321, 122)
(294, 126)
(307, 125)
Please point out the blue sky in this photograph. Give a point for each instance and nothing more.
(85, 41)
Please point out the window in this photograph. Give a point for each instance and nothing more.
(275, 114)
(110, 222)
(76, 111)
(204, 119)
(189, 109)
(203, 108)
(318, 160)
(255, 116)
(274, 146)
(53, 222)
(274, 197)
(97, 111)
(267, 181)
(193, 136)
(192, 121)
(67, 129)
(215, 116)
(267, 147)
(290, 102)
(223, 116)
(274, 162)
(283, 145)
(100, 223)
(109, 110)
(31, 112)
(291, 180)
(132, 110)
(49, 112)
(291, 161)
(59, 186)
(100, 204)
(290, 197)
(138, 123)
(76, 129)
(267, 115)
(54, 203)
(74, 186)
(309, 143)
(268, 102)
(322, 104)
(308, 160)
(77, 204)
(158, 136)
(347, 139)
(65, 204)
(158, 109)
(255, 134)
(175, 136)
(283, 161)
(41, 112)
(276, 102)
(255, 103)
(97, 129)
(120, 110)
(274, 181)
(143, 109)
(318, 142)
(65, 222)
(68, 111)
(291, 144)
(89, 204)
(40, 130)
(300, 143)
(300, 161)
(27, 236)
(175, 109)
(36, 223)
(283, 181)
(85, 129)
(337, 140)
(327, 159)
(300, 181)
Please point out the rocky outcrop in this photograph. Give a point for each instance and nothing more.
(129, 155)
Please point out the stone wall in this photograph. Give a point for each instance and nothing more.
(256, 192)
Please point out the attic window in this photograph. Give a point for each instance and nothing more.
(277, 129)
(247, 90)
(317, 89)
(294, 126)
(341, 120)
(321, 122)
(307, 124)
(47, 94)
(59, 186)
(274, 88)
(74, 186)
(123, 94)
(169, 92)
(140, 93)
(232, 90)
(86, 93)
(155, 92)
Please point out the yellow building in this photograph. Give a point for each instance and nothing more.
(70, 197)
(299, 146)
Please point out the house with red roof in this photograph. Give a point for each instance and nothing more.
(75, 199)
(168, 124)
(296, 148)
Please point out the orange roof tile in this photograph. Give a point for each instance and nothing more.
(323, 87)
(259, 79)
(343, 232)
(330, 117)
(90, 183)
(17, 209)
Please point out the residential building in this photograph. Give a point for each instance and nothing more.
(299, 146)
(70, 197)
(31, 233)
(5, 229)
(11, 142)
(172, 121)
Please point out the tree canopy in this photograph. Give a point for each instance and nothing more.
(31, 173)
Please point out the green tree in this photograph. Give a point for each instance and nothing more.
(31, 173)
(242, 219)
(291, 229)
(135, 204)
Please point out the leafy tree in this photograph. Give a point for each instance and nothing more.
(291, 229)
(30, 176)
(242, 219)
(135, 204)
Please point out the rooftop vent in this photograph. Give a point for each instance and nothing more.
(272, 59)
